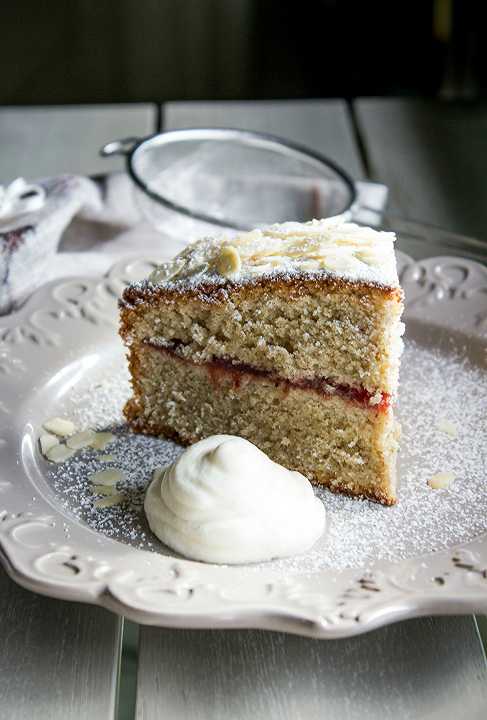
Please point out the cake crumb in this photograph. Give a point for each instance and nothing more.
(376, 398)
(441, 481)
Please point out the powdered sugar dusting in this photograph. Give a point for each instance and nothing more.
(433, 384)
(136, 457)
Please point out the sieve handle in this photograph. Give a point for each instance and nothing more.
(124, 146)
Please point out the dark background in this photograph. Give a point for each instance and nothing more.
(82, 51)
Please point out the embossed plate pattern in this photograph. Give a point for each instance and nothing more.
(53, 339)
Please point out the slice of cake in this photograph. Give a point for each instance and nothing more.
(287, 336)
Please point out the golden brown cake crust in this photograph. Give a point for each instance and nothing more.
(209, 292)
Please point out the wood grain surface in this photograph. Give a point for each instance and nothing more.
(430, 668)
(432, 155)
(58, 660)
(35, 142)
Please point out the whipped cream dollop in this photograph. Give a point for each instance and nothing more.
(332, 246)
(225, 501)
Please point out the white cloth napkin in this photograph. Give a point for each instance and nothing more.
(72, 225)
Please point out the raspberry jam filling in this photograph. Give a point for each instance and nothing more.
(219, 368)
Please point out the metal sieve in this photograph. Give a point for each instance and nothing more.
(193, 181)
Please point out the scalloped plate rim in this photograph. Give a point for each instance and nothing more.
(305, 614)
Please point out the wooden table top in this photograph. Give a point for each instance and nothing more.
(62, 660)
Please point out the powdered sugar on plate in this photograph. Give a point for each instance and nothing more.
(434, 385)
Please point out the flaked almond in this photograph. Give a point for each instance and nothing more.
(337, 263)
(228, 261)
(80, 440)
(447, 427)
(110, 501)
(441, 481)
(59, 453)
(102, 490)
(102, 439)
(47, 441)
(167, 271)
(309, 265)
(106, 477)
(369, 257)
(247, 237)
(59, 426)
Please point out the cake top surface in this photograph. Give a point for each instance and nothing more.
(328, 247)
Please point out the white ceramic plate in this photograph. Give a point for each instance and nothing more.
(61, 337)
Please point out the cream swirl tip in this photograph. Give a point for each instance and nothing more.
(225, 501)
